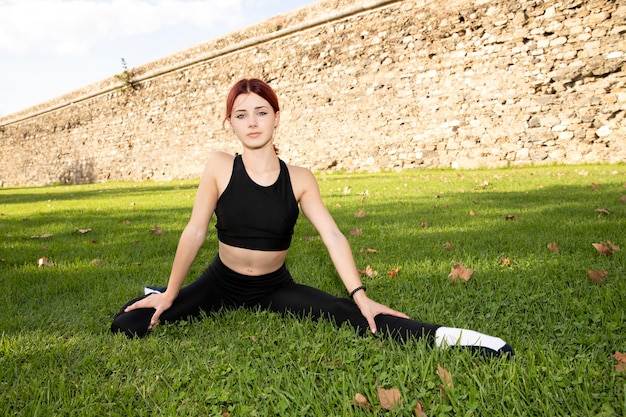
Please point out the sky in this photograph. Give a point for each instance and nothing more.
(52, 47)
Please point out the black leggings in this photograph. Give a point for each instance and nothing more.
(220, 287)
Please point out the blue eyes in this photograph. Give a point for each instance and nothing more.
(243, 115)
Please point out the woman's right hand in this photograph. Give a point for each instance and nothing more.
(159, 302)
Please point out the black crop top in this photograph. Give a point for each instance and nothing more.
(252, 216)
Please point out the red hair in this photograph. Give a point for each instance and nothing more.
(251, 85)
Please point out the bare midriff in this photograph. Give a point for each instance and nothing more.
(251, 262)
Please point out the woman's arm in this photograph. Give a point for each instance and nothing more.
(190, 241)
(338, 247)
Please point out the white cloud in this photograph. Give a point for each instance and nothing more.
(71, 27)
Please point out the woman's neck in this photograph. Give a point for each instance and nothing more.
(260, 160)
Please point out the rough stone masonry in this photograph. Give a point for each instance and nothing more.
(385, 85)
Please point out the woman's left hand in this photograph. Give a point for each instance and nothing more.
(370, 309)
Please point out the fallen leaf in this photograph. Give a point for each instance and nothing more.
(44, 236)
(96, 262)
(308, 238)
(460, 272)
(505, 261)
(356, 232)
(368, 250)
(389, 398)
(360, 214)
(509, 217)
(157, 230)
(597, 276)
(472, 213)
(44, 262)
(595, 186)
(553, 247)
(369, 272)
(126, 222)
(449, 246)
(347, 190)
(361, 401)
(419, 410)
(83, 231)
(446, 380)
(394, 272)
(483, 185)
(620, 366)
(425, 225)
(602, 211)
(606, 248)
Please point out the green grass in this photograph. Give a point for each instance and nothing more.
(57, 356)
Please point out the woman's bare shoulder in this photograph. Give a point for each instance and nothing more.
(299, 173)
(219, 157)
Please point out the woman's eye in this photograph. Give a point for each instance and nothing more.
(262, 113)
(240, 116)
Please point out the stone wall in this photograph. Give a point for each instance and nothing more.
(375, 86)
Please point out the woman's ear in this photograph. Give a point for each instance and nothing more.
(276, 118)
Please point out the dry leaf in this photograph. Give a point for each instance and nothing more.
(44, 236)
(360, 214)
(157, 230)
(356, 232)
(445, 377)
(368, 250)
(595, 186)
(505, 261)
(126, 222)
(553, 247)
(389, 398)
(606, 248)
(96, 262)
(460, 272)
(509, 217)
(602, 211)
(446, 380)
(369, 272)
(621, 361)
(347, 190)
(425, 225)
(623, 198)
(83, 231)
(361, 401)
(394, 272)
(419, 410)
(472, 213)
(44, 262)
(597, 276)
(449, 246)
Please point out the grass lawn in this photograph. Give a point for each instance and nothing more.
(104, 242)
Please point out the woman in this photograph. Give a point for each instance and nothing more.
(255, 197)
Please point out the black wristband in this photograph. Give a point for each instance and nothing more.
(357, 289)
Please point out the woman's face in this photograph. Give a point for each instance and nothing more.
(253, 120)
